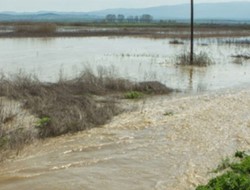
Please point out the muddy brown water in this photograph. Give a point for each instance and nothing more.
(144, 148)
(163, 143)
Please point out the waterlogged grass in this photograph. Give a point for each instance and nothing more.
(201, 60)
(236, 177)
(176, 42)
(237, 41)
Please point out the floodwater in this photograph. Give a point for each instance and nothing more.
(161, 143)
(133, 58)
(142, 149)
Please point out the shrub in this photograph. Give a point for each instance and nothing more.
(228, 181)
(240, 154)
(237, 178)
(64, 107)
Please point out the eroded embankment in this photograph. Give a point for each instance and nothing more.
(164, 143)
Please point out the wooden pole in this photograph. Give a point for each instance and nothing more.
(192, 33)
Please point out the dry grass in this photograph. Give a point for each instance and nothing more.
(42, 28)
(68, 104)
(64, 107)
(15, 129)
(180, 31)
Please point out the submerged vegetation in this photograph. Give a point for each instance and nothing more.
(240, 56)
(176, 42)
(68, 106)
(237, 41)
(201, 60)
(236, 177)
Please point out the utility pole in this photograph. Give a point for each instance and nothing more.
(192, 33)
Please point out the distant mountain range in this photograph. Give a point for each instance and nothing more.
(208, 11)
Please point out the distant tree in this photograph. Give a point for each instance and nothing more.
(130, 19)
(110, 18)
(120, 18)
(136, 19)
(146, 18)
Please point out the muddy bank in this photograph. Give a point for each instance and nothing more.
(162, 143)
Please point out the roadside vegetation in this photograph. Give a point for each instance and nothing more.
(68, 106)
(236, 174)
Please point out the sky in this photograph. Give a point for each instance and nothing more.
(88, 5)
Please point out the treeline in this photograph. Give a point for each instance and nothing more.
(145, 18)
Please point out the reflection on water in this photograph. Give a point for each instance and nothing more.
(134, 58)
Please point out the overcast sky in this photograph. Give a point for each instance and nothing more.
(87, 5)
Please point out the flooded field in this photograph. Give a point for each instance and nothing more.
(134, 58)
(160, 143)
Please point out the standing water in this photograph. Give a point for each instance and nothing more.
(134, 58)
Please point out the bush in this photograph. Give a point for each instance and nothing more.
(228, 181)
(237, 178)
(64, 107)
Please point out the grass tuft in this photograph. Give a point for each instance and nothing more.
(200, 60)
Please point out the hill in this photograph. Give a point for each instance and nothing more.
(205, 11)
